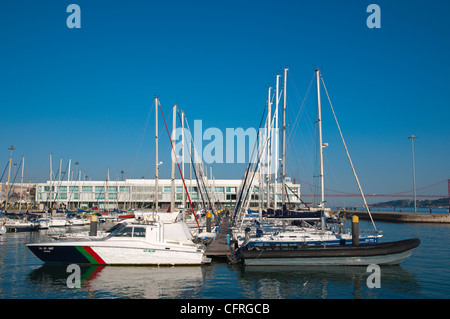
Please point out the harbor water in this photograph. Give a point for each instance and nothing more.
(424, 275)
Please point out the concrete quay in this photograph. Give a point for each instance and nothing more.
(398, 217)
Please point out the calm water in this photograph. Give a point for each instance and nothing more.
(425, 274)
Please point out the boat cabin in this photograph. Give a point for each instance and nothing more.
(153, 232)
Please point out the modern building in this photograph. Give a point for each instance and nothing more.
(140, 194)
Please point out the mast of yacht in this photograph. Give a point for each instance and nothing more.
(21, 184)
(50, 199)
(268, 142)
(172, 182)
(276, 145)
(319, 120)
(283, 160)
(183, 199)
(260, 185)
(156, 154)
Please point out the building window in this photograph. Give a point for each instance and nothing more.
(62, 196)
(124, 189)
(167, 189)
(112, 189)
(179, 189)
(99, 189)
(219, 190)
(112, 195)
(231, 189)
(86, 189)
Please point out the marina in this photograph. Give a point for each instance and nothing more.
(422, 276)
(224, 159)
(250, 233)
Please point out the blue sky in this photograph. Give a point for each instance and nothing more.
(86, 93)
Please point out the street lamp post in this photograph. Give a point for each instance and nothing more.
(412, 138)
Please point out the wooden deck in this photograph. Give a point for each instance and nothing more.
(219, 248)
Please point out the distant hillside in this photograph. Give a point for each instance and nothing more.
(441, 202)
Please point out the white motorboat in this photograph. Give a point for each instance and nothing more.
(77, 221)
(146, 241)
(19, 225)
(57, 222)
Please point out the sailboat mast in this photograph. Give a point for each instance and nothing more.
(156, 154)
(50, 199)
(172, 184)
(319, 120)
(21, 184)
(276, 140)
(283, 161)
(268, 140)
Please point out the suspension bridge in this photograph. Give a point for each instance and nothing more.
(404, 194)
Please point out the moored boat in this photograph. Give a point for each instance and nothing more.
(20, 225)
(389, 253)
(138, 242)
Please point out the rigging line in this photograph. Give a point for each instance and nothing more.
(348, 155)
(201, 185)
(11, 186)
(199, 189)
(7, 163)
(254, 167)
(239, 199)
(182, 177)
(142, 138)
(302, 105)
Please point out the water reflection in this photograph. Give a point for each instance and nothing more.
(123, 282)
(324, 282)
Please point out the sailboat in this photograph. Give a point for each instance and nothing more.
(304, 246)
(283, 226)
(150, 238)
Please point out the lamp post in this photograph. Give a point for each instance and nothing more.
(412, 138)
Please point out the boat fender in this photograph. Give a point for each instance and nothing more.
(340, 230)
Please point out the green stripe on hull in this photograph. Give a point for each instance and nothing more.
(86, 254)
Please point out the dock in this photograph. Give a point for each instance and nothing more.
(399, 217)
(219, 248)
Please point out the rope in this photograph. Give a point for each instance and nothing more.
(349, 159)
(179, 168)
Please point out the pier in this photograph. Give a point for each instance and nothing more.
(399, 217)
(219, 247)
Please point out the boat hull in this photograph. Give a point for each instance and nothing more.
(392, 253)
(115, 255)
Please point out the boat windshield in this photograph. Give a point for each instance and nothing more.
(128, 231)
(115, 229)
